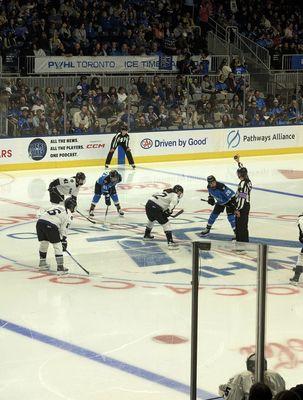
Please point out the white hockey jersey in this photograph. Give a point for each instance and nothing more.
(58, 216)
(167, 201)
(68, 187)
(238, 387)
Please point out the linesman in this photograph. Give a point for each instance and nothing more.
(243, 202)
(120, 139)
(298, 269)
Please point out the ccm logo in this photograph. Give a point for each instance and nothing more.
(95, 146)
(6, 153)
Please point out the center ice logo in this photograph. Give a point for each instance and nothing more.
(233, 139)
(146, 143)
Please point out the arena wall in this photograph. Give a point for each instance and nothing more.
(64, 151)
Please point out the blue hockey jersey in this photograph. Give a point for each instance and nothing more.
(221, 193)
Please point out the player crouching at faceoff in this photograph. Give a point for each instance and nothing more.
(159, 208)
(52, 227)
(105, 186)
(299, 267)
(221, 197)
(238, 387)
(61, 187)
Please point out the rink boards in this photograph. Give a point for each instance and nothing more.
(88, 150)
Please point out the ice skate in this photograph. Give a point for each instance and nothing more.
(294, 281)
(43, 266)
(61, 270)
(205, 232)
(173, 246)
(148, 237)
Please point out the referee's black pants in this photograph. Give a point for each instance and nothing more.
(127, 152)
(242, 224)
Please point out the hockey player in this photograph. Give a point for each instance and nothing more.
(52, 227)
(243, 202)
(221, 197)
(61, 187)
(238, 386)
(159, 208)
(106, 186)
(299, 267)
(120, 139)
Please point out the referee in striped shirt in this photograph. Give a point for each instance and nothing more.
(243, 202)
(120, 139)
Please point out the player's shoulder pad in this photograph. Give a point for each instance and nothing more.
(220, 186)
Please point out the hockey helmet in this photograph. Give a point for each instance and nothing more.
(179, 190)
(114, 176)
(70, 204)
(251, 363)
(211, 179)
(80, 178)
(242, 172)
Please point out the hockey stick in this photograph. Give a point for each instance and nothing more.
(177, 214)
(79, 265)
(84, 216)
(106, 212)
(204, 200)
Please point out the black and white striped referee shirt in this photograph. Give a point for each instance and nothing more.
(243, 193)
(120, 139)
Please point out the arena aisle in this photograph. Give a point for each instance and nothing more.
(125, 327)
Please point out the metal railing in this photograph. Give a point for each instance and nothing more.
(244, 45)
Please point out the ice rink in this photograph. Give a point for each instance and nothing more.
(123, 332)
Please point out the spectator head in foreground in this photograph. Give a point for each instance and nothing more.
(287, 395)
(298, 390)
(260, 391)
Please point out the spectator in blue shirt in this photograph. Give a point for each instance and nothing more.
(275, 109)
(24, 124)
(257, 121)
(260, 101)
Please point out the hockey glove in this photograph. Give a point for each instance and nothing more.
(211, 201)
(64, 243)
(107, 200)
(167, 213)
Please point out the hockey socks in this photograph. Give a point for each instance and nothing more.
(232, 220)
(91, 210)
(42, 263)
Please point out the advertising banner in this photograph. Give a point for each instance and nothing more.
(176, 142)
(297, 61)
(151, 146)
(91, 65)
(108, 64)
(56, 148)
(272, 137)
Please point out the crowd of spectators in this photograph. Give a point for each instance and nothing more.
(260, 391)
(98, 28)
(277, 26)
(157, 103)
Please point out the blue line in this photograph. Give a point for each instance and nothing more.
(227, 183)
(102, 359)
